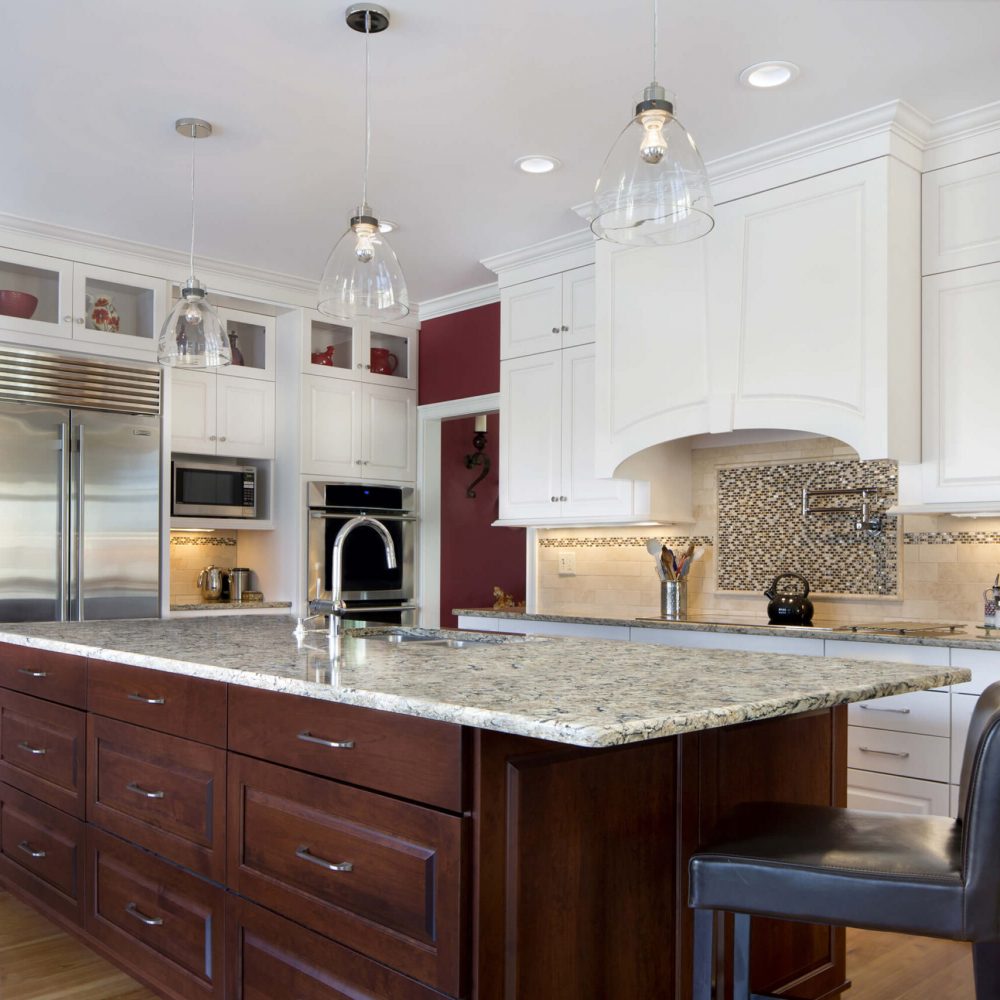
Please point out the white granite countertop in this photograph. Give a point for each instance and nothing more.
(230, 605)
(968, 635)
(589, 693)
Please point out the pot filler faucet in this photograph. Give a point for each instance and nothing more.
(337, 604)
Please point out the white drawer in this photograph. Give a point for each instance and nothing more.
(905, 754)
(985, 667)
(953, 801)
(926, 712)
(476, 624)
(890, 793)
(728, 640)
(572, 630)
(924, 656)
(962, 706)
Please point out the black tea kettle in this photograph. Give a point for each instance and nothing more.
(789, 609)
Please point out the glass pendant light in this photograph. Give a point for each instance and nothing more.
(193, 336)
(362, 277)
(653, 189)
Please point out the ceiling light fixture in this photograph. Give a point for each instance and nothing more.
(768, 74)
(192, 335)
(362, 277)
(537, 163)
(653, 189)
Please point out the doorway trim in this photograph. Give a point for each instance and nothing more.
(430, 416)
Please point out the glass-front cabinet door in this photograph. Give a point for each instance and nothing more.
(330, 347)
(390, 355)
(35, 294)
(116, 308)
(251, 340)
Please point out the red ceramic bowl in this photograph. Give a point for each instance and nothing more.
(18, 304)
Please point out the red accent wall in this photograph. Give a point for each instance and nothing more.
(460, 355)
(475, 557)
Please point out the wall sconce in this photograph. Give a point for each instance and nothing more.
(477, 457)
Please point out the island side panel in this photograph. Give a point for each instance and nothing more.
(580, 858)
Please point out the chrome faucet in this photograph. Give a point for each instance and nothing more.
(337, 583)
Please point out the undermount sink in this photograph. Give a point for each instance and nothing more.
(402, 637)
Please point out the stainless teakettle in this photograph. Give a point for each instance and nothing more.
(210, 580)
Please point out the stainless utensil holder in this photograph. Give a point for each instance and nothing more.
(673, 598)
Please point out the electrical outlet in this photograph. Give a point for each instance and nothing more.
(567, 562)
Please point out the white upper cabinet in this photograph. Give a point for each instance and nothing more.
(962, 215)
(792, 314)
(388, 433)
(961, 362)
(547, 313)
(98, 310)
(251, 339)
(547, 472)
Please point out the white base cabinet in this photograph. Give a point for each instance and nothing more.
(356, 430)
(890, 793)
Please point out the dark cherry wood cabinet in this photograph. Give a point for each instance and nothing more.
(381, 876)
(270, 957)
(411, 758)
(170, 703)
(58, 677)
(162, 792)
(42, 750)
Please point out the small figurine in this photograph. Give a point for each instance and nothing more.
(503, 601)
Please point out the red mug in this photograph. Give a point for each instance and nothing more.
(384, 362)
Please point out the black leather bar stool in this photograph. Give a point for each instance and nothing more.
(927, 875)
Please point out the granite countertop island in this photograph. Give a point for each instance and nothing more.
(582, 692)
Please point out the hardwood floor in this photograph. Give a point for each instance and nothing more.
(896, 967)
(40, 962)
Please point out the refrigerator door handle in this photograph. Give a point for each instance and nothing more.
(79, 523)
(62, 568)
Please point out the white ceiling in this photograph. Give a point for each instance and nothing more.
(89, 93)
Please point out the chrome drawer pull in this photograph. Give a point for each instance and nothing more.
(31, 673)
(134, 911)
(139, 790)
(885, 753)
(304, 854)
(145, 700)
(29, 850)
(898, 711)
(37, 751)
(308, 737)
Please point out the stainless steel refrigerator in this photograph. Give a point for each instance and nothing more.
(79, 488)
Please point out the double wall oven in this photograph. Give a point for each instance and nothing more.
(371, 590)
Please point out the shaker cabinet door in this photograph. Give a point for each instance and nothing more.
(245, 418)
(192, 412)
(531, 317)
(389, 433)
(331, 426)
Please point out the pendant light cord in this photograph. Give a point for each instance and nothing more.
(655, 33)
(368, 112)
(191, 259)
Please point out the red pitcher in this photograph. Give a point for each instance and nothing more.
(384, 362)
(323, 357)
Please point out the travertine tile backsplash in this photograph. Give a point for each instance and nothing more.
(190, 553)
(944, 563)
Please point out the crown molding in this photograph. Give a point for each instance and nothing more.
(96, 248)
(469, 298)
(557, 254)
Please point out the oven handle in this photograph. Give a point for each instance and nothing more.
(342, 515)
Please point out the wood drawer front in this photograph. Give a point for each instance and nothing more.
(416, 759)
(41, 850)
(272, 957)
(163, 920)
(925, 712)
(160, 791)
(905, 754)
(399, 903)
(59, 677)
(171, 703)
(42, 750)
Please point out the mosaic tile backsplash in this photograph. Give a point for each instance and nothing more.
(762, 530)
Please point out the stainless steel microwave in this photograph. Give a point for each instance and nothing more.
(212, 489)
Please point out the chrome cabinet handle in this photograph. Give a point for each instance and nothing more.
(554, 499)
(211, 437)
(555, 329)
(37, 751)
(222, 437)
(565, 329)
(30, 851)
(359, 364)
(885, 753)
(31, 673)
(139, 790)
(79, 321)
(308, 737)
(368, 368)
(67, 319)
(304, 854)
(897, 711)
(357, 461)
(146, 701)
(133, 911)
(564, 499)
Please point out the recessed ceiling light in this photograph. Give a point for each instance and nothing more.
(769, 74)
(537, 163)
(387, 226)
